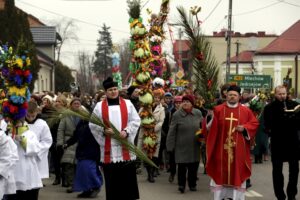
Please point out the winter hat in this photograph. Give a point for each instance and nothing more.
(168, 94)
(130, 90)
(109, 83)
(50, 99)
(190, 98)
(234, 88)
(178, 99)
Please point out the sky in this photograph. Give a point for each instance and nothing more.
(272, 16)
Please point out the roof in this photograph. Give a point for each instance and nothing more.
(44, 58)
(244, 57)
(44, 34)
(287, 43)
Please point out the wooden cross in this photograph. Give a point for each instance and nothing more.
(229, 144)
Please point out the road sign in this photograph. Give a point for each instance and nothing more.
(251, 81)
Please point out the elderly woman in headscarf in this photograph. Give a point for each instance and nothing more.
(182, 140)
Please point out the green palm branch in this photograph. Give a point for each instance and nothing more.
(205, 69)
(87, 116)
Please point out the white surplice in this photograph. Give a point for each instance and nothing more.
(114, 113)
(220, 192)
(26, 172)
(8, 159)
(43, 134)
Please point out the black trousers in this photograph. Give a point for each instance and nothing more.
(189, 169)
(278, 179)
(24, 195)
(172, 163)
(121, 181)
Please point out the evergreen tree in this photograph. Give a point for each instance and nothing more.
(103, 54)
(63, 78)
(15, 32)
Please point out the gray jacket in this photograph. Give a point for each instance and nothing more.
(65, 131)
(181, 136)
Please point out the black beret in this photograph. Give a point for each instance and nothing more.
(130, 90)
(109, 83)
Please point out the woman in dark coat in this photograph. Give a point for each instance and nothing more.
(182, 140)
(88, 177)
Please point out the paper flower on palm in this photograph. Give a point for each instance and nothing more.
(146, 98)
(143, 77)
(17, 77)
(148, 141)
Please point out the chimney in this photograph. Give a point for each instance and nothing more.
(237, 34)
(261, 33)
(2, 4)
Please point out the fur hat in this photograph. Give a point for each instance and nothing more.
(109, 83)
(190, 98)
(50, 99)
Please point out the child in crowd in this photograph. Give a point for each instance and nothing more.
(43, 134)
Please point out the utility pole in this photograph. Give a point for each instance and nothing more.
(228, 38)
(237, 56)
(296, 75)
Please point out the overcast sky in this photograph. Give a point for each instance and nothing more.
(272, 16)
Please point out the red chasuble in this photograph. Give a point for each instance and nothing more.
(228, 151)
(124, 118)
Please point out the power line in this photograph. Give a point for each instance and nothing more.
(220, 22)
(258, 9)
(79, 20)
(211, 12)
(292, 4)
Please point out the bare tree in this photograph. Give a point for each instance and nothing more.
(125, 56)
(66, 29)
(85, 75)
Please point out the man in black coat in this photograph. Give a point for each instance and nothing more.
(283, 128)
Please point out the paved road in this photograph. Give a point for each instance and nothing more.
(162, 190)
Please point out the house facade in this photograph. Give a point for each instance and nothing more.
(281, 55)
(248, 42)
(44, 38)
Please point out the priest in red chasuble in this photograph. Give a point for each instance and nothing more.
(228, 147)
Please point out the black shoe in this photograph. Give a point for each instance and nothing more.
(181, 189)
(248, 185)
(94, 193)
(56, 182)
(65, 185)
(85, 194)
(151, 179)
(193, 189)
(171, 178)
(69, 190)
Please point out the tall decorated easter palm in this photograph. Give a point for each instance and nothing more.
(156, 37)
(139, 66)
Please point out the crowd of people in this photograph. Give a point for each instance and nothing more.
(83, 156)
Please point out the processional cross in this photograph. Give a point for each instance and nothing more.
(229, 144)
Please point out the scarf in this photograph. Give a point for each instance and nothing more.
(124, 119)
